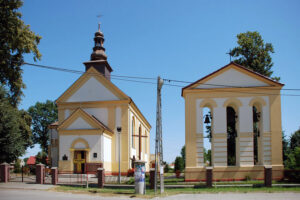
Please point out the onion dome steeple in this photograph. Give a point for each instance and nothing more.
(99, 50)
(98, 57)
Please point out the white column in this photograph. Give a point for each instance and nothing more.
(219, 140)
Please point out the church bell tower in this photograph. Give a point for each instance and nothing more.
(98, 57)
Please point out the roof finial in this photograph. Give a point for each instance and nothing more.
(99, 16)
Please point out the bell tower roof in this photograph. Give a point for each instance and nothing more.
(98, 50)
(98, 57)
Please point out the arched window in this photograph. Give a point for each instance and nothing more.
(207, 135)
(231, 135)
(145, 139)
(132, 132)
(140, 142)
(256, 108)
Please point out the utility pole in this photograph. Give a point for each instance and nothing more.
(158, 139)
(119, 129)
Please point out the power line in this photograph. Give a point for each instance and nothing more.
(128, 78)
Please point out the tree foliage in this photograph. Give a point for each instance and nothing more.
(182, 152)
(43, 114)
(15, 133)
(41, 158)
(253, 53)
(291, 151)
(295, 140)
(179, 164)
(207, 156)
(16, 39)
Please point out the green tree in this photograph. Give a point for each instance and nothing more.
(182, 152)
(166, 168)
(15, 136)
(179, 164)
(297, 156)
(43, 114)
(254, 54)
(285, 149)
(295, 140)
(17, 166)
(16, 39)
(207, 156)
(41, 158)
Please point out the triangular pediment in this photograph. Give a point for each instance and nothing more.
(79, 123)
(81, 120)
(92, 86)
(233, 76)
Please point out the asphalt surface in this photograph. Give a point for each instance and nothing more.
(23, 194)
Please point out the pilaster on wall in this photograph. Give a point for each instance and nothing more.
(200, 156)
(190, 132)
(219, 153)
(245, 154)
(266, 153)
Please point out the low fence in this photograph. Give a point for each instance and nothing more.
(94, 176)
(76, 179)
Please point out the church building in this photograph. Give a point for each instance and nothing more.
(244, 123)
(96, 121)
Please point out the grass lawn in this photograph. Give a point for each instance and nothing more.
(150, 193)
(180, 181)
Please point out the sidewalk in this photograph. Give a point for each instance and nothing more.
(25, 186)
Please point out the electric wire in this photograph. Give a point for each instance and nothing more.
(128, 78)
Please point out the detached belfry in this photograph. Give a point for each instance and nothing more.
(89, 113)
(245, 124)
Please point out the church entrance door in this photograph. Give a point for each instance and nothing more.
(79, 161)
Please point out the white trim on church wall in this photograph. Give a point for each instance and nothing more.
(239, 80)
(107, 149)
(79, 123)
(133, 152)
(245, 115)
(118, 114)
(100, 113)
(266, 115)
(92, 90)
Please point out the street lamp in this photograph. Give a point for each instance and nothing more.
(119, 129)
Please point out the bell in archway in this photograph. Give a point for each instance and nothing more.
(207, 120)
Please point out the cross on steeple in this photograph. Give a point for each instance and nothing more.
(99, 16)
(229, 53)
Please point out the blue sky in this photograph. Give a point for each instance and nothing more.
(182, 40)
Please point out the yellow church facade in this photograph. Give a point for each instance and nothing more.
(246, 133)
(90, 112)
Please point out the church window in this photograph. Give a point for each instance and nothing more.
(132, 132)
(95, 155)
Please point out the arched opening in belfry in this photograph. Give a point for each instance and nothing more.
(231, 135)
(207, 136)
(256, 133)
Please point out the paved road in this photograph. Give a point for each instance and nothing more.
(242, 196)
(19, 194)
